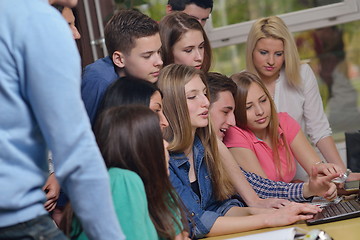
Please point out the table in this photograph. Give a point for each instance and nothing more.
(341, 230)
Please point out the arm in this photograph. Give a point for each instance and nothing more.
(53, 92)
(247, 160)
(328, 149)
(267, 188)
(240, 183)
(317, 124)
(202, 219)
(258, 219)
(307, 156)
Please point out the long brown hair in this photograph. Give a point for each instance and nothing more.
(172, 28)
(130, 137)
(243, 81)
(172, 80)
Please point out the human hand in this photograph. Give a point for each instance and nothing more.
(321, 185)
(328, 169)
(52, 190)
(270, 203)
(291, 213)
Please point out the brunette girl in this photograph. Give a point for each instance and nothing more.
(184, 41)
(265, 142)
(130, 140)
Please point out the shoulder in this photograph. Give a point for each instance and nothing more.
(100, 63)
(306, 71)
(288, 124)
(102, 68)
(236, 133)
(40, 22)
(124, 176)
(285, 118)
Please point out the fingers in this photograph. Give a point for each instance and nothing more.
(329, 168)
(308, 208)
(305, 217)
(50, 205)
(330, 177)
(331, 193)
(305, 208)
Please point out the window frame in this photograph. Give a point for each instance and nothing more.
(332, 14)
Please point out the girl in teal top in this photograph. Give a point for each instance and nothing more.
(129, 137)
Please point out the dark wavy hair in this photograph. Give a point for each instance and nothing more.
(129, 137)
(128, 90)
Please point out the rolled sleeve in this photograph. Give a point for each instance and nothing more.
(266, 188)
(204, 223)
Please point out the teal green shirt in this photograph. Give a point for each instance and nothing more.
(131, 206)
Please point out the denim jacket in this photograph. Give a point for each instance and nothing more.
(206, 210)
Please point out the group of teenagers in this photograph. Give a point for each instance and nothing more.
(192, 153)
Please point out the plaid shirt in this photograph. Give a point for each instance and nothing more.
(266, 188)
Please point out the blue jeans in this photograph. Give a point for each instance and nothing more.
(39, 228)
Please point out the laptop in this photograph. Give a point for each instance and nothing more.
(342, 210)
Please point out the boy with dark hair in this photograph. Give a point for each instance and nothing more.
(133, 43)
(199, 9)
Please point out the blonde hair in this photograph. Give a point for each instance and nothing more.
(172, 81)
(274, 27)
(243, 81)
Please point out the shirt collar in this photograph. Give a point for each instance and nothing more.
(180, 158)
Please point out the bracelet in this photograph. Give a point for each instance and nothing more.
(320, 162)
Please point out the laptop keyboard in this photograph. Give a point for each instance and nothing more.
(341, 208)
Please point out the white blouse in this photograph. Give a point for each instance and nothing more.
(303, 103)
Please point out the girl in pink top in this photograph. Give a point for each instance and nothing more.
(265, 142)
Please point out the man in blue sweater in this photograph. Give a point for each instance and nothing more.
(41, 110)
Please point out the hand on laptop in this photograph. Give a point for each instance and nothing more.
(292, 213)
(321, 185)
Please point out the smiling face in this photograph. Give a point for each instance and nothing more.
(144, 60)
(222, 113)
(258, 110)
(197, 102)
(189, 50)
(268, 57)
(157, 106)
